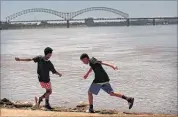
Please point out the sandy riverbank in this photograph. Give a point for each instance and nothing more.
(18, 108)
(22, 112)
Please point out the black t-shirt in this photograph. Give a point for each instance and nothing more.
(100, 74)
(43, 69)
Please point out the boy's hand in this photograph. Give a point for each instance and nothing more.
(115, 67)
(60, 75)
(85, 76)
(17, 59)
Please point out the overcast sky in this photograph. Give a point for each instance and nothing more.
(133, 8)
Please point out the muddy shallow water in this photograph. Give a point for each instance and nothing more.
(146, 57)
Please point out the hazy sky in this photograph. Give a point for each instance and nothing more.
(133, 8)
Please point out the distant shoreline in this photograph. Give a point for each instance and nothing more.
(81, 26)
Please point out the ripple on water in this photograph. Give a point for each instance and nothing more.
(146, 58)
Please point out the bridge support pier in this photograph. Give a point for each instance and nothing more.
(154, 23)
(128, 22)
(68, 24)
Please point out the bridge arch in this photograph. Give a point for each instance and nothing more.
(64, 15)
(50, 11)
(115, 11)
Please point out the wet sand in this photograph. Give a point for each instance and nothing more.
(22, 112)
(19, 108)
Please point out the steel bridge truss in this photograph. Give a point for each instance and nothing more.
(66, 15)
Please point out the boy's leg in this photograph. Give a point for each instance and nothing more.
(90, 99)
(107, 88)
(130, 100)
(119, 95)
(94, 89)
(47, 86)
(41, 98)
(49, 91)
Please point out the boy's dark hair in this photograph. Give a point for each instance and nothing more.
(84, 55)
(48, 50)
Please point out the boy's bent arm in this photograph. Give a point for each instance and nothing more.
(26, 59)
(57, 73)
(89, 71)
(109, 65)
(53, 70)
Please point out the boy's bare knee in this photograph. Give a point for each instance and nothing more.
(111, 93)
(49, 91)
(89, 93)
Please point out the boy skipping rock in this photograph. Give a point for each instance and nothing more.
(43, 69)
(101, 81)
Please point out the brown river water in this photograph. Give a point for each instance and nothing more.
(145, 55)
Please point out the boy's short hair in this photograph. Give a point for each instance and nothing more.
(48, 50)
(84, 55)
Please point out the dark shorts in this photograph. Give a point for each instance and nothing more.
(95, 88)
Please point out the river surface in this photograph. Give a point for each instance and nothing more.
(146, 57)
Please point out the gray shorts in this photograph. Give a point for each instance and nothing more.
(95, 88)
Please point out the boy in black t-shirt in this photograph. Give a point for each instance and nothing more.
(101, 81)
(43, 69)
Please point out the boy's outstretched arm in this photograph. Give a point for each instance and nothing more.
(53, 70)
(86, 75)
(57, 73)
(19, 59)
(109, 65)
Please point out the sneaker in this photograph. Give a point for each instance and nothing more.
(90, 111)
(130, 102)
(48, 107)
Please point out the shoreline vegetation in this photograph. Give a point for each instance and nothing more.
(62, 27)
(87, 23)
(21, 108)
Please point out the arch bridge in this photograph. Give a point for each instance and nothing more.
(67, 16)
